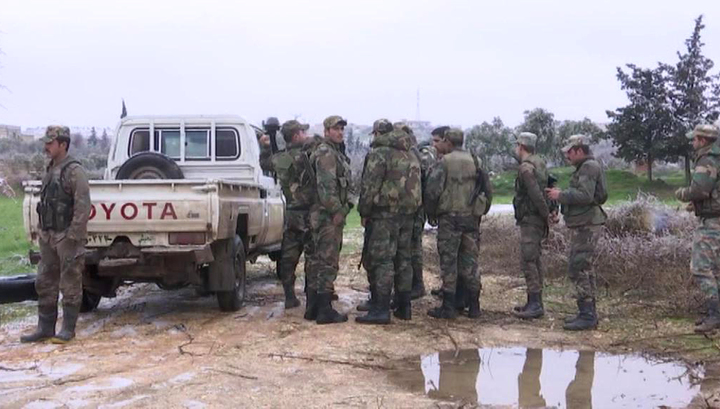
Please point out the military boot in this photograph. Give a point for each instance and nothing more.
(522, 307)
(418, 286)
(474, 304)
(534, 308)
(325, 312)
(67, 331)
(447, 310)
(311, 306)
(404, 309)
(711, 321)
(365, 306)
(291, 300)
(571, 318)
(47, 315)
(379, 312)
(586, 319)
(461, 296)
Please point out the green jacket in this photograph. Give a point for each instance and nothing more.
(65, 199)
(450, 185)
(704, 191)
(581, 201)
(530, 202)
(391, 179)
(332, 177)
(296, 175)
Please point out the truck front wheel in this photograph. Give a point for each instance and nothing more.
(233, 300)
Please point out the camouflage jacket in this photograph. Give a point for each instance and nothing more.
(450, 185)
(296, 175)
(530, 202)
(391, 179)
(703, 191)
(581, 201)
(266, 162)
(332, 177)
(74, 182)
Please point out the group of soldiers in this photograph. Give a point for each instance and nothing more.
(403, 185)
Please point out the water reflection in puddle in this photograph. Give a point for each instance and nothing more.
(538, 378)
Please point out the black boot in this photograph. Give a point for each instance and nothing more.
(461, 296)
(311, 305)
(571, 318)
(586, 319)
(522, 307)
(711, 321)
(404, 309)
(67, 332)
(534, 308)
(365, 306)
(325, 313)
(47, 315)
(291, 300)
(447, 310)
(474, 304)
(379, 312)
(395, 301)
(418, 286)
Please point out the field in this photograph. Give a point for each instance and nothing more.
(14, 245)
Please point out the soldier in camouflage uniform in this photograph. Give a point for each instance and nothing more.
(584, 216)
(448, 198)
(390, 195)
(297, 180)
(327, 216)
(704, 194)
(64, 210)
(531, 214)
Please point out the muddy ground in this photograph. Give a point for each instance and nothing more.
(154, 348)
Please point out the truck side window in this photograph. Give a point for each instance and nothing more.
(227, 146)
(169, 142)
(139, 141)
(197, 144)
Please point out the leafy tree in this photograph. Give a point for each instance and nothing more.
(93, 139)
(77, 141)
(542, 123)
(566, 129)
(491, 142)
(694, 96)
(104, 141)
(641, 129)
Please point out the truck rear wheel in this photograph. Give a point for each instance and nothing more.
(149, 165)
(233, 300)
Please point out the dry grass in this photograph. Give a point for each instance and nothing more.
(642, 257)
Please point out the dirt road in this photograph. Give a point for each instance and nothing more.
(153, 348)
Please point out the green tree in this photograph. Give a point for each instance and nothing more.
(490, 140)
(542, 123)
(104, 141)
(694, 95)
(641, 129)
(93, 139)
(568, 128)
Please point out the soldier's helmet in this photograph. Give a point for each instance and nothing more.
(382, 126)
(271, 123)
(704, 130)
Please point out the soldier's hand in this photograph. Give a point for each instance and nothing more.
(338, 219)
(553, 193)
(265, 140)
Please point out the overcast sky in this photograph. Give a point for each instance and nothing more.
(72, 62)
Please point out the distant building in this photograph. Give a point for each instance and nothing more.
(10, 132)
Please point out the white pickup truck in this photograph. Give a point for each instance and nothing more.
(183, 202)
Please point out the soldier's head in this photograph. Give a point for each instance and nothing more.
(452, 139)
(577, 148)
(703, 135)
(381, 127)
(402, 126)
(293, 131)
(334, 128)
(525, 144)
(438, 136)
(57, 141)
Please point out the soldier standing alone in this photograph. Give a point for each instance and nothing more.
(448, 198)
(584, 216)
(531, 214)
(64, 210)
(390, 195)
(327, 217)
(297, 180)
(704, 194)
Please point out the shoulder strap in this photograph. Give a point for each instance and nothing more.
(62, 173)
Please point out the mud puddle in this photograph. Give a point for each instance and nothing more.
(530, 378)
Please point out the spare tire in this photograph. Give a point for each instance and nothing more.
(149, 165)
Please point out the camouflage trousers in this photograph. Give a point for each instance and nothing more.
(458, 239)
(416, 243)
(583, 241)
(297, 239)
(62, 262)
(327, 239)
(389, 248)
(531, 236)
(705, 261)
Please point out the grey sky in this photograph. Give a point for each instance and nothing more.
(72, 61)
